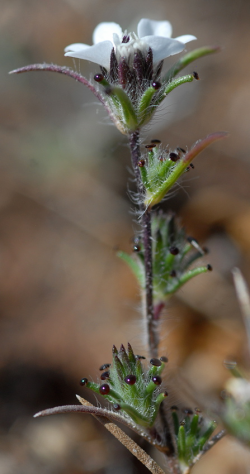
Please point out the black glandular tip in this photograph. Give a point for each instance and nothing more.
(156, 141)
(155, 362)
(156, 85)
(104, 389)
(192, 166)
(174, 157)
(150, 146)
(164, 359)
(105, 375)
(98, 77)
(141, 163)
(196, 75)
(187, 411)
(180, 149)
(139, 357)
(84, 382)
(157, 380)
(116, 406)
(174, 250)
(136, 248)
(130, 379)
(172, 273)
(105, 366)
(209, 267)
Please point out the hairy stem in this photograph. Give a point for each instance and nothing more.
(153, 337)
(67, 72)
(152, 324)
(100, 415)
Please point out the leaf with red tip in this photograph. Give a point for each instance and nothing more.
(156, 196)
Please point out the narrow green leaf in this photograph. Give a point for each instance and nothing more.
(185, 278)
(206, 435)
(181, 443)
(134, 266)
(177, 82)
(189, 58)
(175, 422)
(193, 431)
(179, 169)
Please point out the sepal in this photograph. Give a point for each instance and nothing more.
(133, 389)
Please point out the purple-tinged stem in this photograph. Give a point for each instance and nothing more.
(152, 326)
(158, 308)
(67, 72)
(134, 143)
(103, 415)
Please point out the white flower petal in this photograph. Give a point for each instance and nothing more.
(104, 31)
(116, 39)
(99, 53)
(155, 28)
(163, 47)
(76, 47)
(185, 38)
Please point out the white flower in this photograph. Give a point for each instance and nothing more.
(150, 34)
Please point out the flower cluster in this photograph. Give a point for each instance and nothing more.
(192, 432)
(130, 387)
(131, 66)
(160, 168)
(173, 256)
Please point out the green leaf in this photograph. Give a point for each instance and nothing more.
(181, 165)
(189, 58)
(136, 268)
(177, 82)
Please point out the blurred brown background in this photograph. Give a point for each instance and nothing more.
(64, 208)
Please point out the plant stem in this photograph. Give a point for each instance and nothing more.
(152, 324)
(153, 337)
